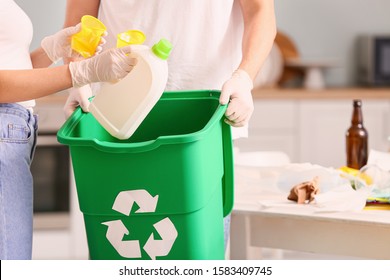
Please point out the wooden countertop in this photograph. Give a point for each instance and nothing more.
(282, 93)
(329, 93)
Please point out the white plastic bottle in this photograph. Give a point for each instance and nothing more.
(121, 107)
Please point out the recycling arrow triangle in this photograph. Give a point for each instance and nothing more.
(116, 230)
(125, 200)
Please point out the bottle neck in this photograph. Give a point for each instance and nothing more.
(357, 115)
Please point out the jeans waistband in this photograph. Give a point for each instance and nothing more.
(15, 109)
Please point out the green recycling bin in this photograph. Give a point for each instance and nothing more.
(162, 193)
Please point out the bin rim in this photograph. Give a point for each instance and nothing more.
(121, 147)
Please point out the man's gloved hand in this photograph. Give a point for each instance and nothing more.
(58, 46)
(237, 90)
(111, 65)
(77, 97)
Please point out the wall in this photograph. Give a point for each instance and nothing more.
(328, 29)
(321, 28)
(47, 17)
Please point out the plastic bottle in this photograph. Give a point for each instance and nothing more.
(357, 139)
(121, 107)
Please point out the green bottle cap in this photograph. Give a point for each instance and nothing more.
(162, 49)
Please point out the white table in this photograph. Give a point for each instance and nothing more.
(364, 234)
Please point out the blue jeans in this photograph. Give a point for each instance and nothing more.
(226, 229)
(18, 130)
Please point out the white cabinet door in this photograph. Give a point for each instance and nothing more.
(273, 127)
(313, 130)
(323, 125)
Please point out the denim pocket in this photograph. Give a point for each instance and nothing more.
(18, 132)
(14, 128)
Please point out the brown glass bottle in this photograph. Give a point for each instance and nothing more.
(357, 139)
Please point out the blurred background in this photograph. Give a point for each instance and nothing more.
(320, 30)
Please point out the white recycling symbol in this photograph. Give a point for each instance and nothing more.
(117, 230)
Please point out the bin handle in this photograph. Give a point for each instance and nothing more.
(228, 166)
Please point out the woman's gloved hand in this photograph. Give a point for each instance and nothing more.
(58, 46)
(111, 65)
(77, 97)
(237, 92)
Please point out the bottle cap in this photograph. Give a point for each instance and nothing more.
(357, 102)
(162, 49)
(130, 37)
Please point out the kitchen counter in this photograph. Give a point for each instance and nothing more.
(281, 93)
(329, 93)
(310, 125)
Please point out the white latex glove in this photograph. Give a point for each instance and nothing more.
(111, 65)
(77, 97)
(58, 45)
(237, 92)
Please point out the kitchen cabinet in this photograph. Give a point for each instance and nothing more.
(273, 126)
(323, 126)
(58, 234)
(310, 126)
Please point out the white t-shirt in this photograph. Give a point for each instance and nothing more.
(16, 33)
(206, 36)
